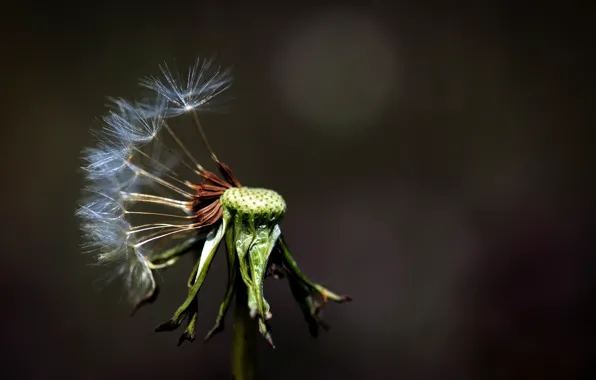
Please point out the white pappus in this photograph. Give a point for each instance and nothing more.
(132, 164)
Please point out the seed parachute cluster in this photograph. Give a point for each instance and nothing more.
(149, 202)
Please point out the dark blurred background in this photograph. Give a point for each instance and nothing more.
(434, 158)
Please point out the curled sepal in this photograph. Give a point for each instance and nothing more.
(199, 273)
(260, 250)
(189, 333)
(231, 288)
(265, 330)
(243, 238)
(303, 288)
(308, 306)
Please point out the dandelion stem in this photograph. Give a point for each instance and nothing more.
(244, 343)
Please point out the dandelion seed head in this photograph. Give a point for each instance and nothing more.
(141, 215)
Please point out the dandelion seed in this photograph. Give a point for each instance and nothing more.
(204, 82)
(128, 179)
(105, 160)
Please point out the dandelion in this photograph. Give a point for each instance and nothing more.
(142, 214)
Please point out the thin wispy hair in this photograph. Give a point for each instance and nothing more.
(132, 167)
(106, 160)
(204, 81)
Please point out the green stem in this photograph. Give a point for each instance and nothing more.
(245, 334)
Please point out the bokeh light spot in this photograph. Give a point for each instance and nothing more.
(337, 71)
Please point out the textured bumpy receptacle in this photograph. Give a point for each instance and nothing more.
(261, 204)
